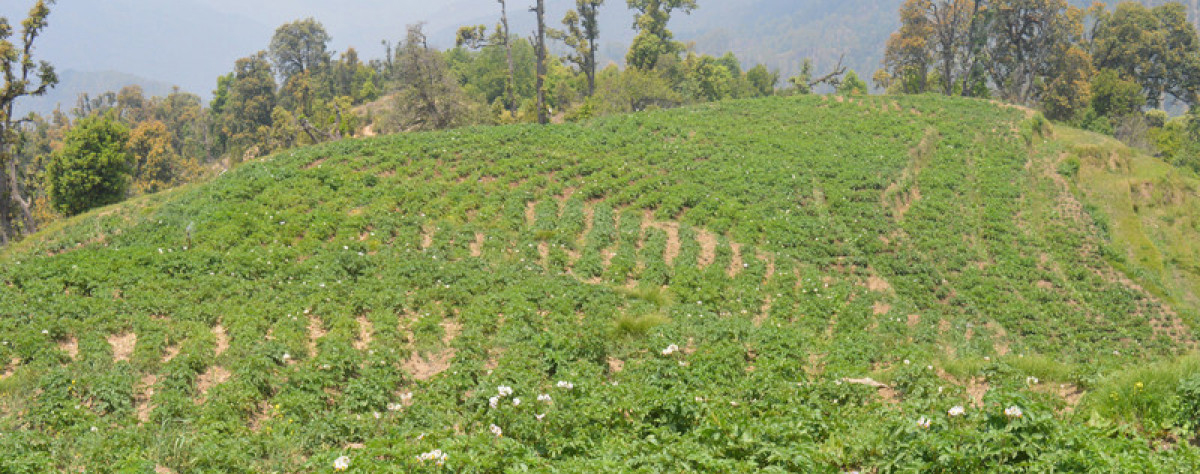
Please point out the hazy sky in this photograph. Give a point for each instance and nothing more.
(190, 42)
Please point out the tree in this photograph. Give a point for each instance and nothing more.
(244, 102)
(953, 22)
(653, 38)
(1025, 39)
(156, 165)
(583, 29)
(430, 97)
(92, 168)
(299, 47)
(762, 81)
(852, 85)
(476, 37)
(706, 78)
(539, 42)
(1156, 47)
(1114, 96)
(22, 78)
(908, 57)
(1070, 90)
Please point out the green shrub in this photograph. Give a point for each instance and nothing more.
(92, 169)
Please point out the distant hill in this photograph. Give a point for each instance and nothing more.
(72, 83)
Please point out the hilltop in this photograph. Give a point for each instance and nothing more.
(786, 284)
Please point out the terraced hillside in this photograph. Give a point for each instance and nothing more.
(803, 284)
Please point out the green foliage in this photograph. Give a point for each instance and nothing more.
(299, 47)
(1188, 412)
(852, 85)
(1153, 47)
(706, 282)
(1114, 96)
(92, 169)
(653, 39)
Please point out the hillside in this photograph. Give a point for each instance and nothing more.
(803, 284)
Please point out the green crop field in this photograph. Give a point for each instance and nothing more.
(808, 284)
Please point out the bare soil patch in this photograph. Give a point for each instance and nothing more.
(222, 340)
(365, 330)
(70, 346)
(477, 245)
(708, 247)
(122, 345)
(215, 375)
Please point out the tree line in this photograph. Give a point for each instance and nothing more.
(1107, 70)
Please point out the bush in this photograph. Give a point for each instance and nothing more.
(92, 169)
(1188, 411)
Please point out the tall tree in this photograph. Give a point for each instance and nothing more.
(539, 10)
(299, 47)
(430, 97)
(244, 102)
(653, 38)
(22, 78)
(953, 23)
(1156, 47)
(476, 37)
(908, 57)
(583, 29)
(1025, 38)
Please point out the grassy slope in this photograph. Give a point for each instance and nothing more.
(776, 241)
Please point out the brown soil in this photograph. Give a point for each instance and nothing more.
(427, 236)
(764, 312)
(365, 329)
(589, 220)
(315, 331)
(215, 375)
(171, 352)
(886, 392)
(315, 164)
(477, 245)
(875, 283)
(70, 346)
(221, 338)
(122, 345)
(770, 262)
(976, 389)
(998, 337)
(531, 213)
(735, 262)
(615, 365)
(708, 247)
(144, 408)
(426, 366)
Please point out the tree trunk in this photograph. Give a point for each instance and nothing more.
(14, 181)
(512, 67)
(591, 73)
(541, 62)
(5, 227)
